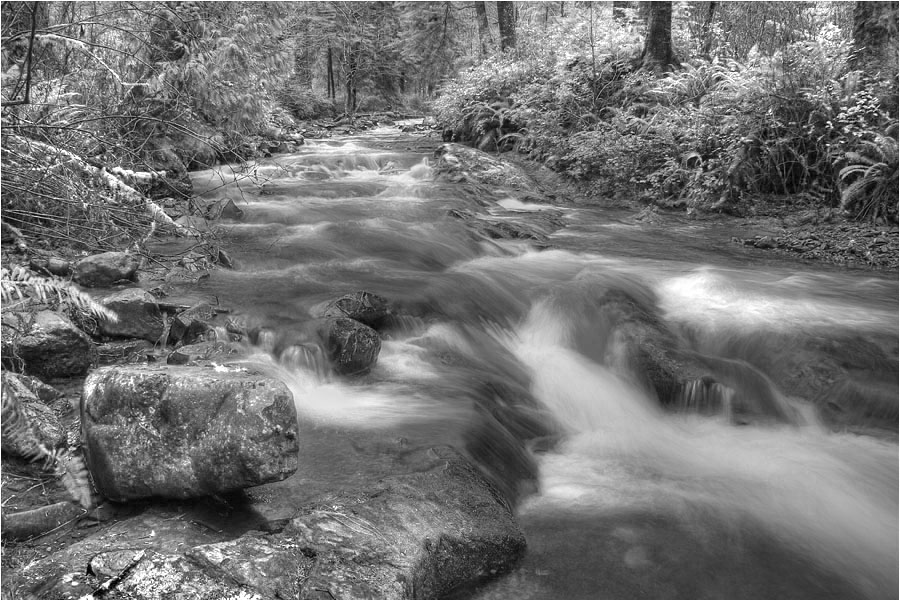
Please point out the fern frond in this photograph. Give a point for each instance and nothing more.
(854, 192)
(19, 281)
(19, 435)
(76, 479)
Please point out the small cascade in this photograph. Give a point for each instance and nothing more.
(704, 396)
(308, 358)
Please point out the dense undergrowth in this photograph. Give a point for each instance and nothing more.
(715, 134)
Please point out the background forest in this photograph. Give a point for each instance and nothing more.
(705, 105)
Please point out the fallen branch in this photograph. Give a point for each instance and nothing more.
(109, 179)
(35, 522)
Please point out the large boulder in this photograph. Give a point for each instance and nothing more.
(459, 163)
(139, 315)
(351, 346)
(424, 534)
(45, 344)
(365, 307)
(182, 432)
(416, 536)
(105, 269)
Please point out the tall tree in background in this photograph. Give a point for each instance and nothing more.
(484, 29)
(506, 17)
(875, 47)
(706, 31)
(875, 38)
(658, 55)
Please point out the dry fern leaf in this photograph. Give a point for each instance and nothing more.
(19, 435)
(19, 281)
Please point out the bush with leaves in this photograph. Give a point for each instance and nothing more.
(787, 121)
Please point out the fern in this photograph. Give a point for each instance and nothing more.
(869, 182)
(19, 283)
(18, 434)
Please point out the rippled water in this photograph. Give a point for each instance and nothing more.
(500, 348)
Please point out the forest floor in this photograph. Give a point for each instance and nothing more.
(777, 224)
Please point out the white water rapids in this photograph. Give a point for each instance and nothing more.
(631, 500)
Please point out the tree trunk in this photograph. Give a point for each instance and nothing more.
(330, 74)
(658, 55)
(350, 100)
(875, 48)
(506, 17)
(875, 38)
(705, 31)
(484, 29)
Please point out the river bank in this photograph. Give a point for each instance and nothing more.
(808, 232)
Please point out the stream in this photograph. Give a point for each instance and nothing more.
(498, 348)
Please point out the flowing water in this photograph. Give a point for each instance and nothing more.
(501, 349)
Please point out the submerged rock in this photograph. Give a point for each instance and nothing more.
(45, 344)
(105, 269)
(224, 209)
(417, 536)
(365, 307)
(182, 432)
(139, 315)
(351, 346)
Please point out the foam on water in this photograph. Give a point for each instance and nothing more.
(832, 498)
(714, 298)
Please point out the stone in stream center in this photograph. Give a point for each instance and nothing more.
(365, 307)
(351, 346)
(414, 536)
(183, 432)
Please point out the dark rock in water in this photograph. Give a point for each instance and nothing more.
(365, 307)
(225, 260)
(45, 344)
(192, 325)
(105, 269)
(616, 322)
(182, 432)
(351, 346)
(224, 209)
(417, 536)
(139, 315)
